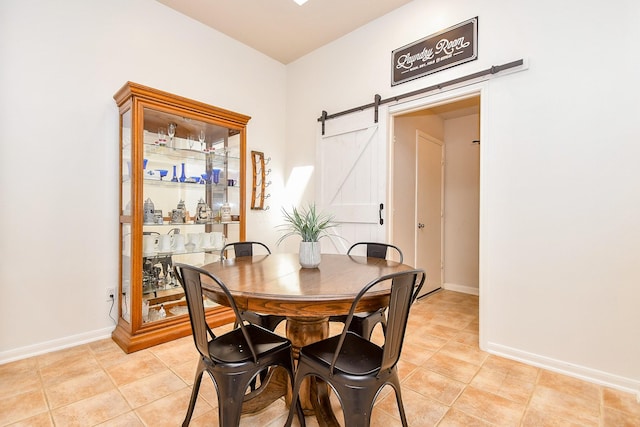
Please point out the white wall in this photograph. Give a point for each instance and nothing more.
(61, 64)
(560, 207)
(461, 203)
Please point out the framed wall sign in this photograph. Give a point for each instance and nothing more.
(447, 48)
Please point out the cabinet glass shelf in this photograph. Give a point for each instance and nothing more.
(186, 153)
(169, 224)
(190, 185)
(159, 255)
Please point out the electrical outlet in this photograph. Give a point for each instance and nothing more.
(110, 294)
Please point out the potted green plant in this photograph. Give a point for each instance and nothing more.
(311, 226)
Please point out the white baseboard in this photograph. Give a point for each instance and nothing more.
(587, 374)
(472, 290)
(53, 345)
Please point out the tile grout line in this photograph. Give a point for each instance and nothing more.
(543, 379)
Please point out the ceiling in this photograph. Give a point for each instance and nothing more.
(280, 28)
(451, 109)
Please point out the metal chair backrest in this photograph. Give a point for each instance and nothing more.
(377, 250)
(243, 248)
(404, 286)
(190, 278)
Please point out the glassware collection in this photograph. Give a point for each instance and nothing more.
(188, 141)
(161, 245)
(172, 159)
(158, 250)
(212, 177)
(203, 214)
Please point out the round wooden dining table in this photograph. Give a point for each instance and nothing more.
(277, 284)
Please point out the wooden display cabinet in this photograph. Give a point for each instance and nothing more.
(182, 164)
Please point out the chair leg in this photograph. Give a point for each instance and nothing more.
(370, 324)
(289, 366)
(194, 392)
(383, 322)
(395, 383)
(403, 416)
(300, 413)
(357, 404)
(262, 376)
(295, 397)
(230, 409)
(358, 327)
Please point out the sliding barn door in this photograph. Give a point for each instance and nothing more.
(352, 177)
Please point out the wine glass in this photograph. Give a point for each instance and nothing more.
(171, 130)
(201, 136)
(162, 139)
(190, 141)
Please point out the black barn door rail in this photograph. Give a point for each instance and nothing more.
(377, 100)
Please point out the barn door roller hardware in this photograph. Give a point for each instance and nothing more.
(379, 101)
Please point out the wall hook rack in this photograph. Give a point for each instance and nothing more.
(259, 180)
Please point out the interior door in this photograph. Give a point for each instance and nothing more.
(429, 209)
(352, 176)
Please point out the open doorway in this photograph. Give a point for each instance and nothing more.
(438, 230)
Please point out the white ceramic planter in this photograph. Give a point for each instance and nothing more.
(309, 254)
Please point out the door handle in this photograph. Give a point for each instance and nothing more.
(420, 225)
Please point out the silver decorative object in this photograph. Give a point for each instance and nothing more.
(179, 215)
(225, 213)
(203, 212)
(149, 209)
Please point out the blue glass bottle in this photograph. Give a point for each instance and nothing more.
(183, 177)
(175, 177)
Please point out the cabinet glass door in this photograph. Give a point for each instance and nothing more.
(190, 172)
(125, 212)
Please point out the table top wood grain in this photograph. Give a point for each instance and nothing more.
(276, 284)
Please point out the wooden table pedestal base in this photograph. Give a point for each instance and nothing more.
(314, 394)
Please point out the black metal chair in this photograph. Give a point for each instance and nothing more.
(233, 359)
(243, 248)
(364, 323)
(267, 321)
(356, 368)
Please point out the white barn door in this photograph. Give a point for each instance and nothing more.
(352, 176)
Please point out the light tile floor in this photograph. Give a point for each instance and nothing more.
(446, 381)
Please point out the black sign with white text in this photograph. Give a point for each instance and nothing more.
(453, 46)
